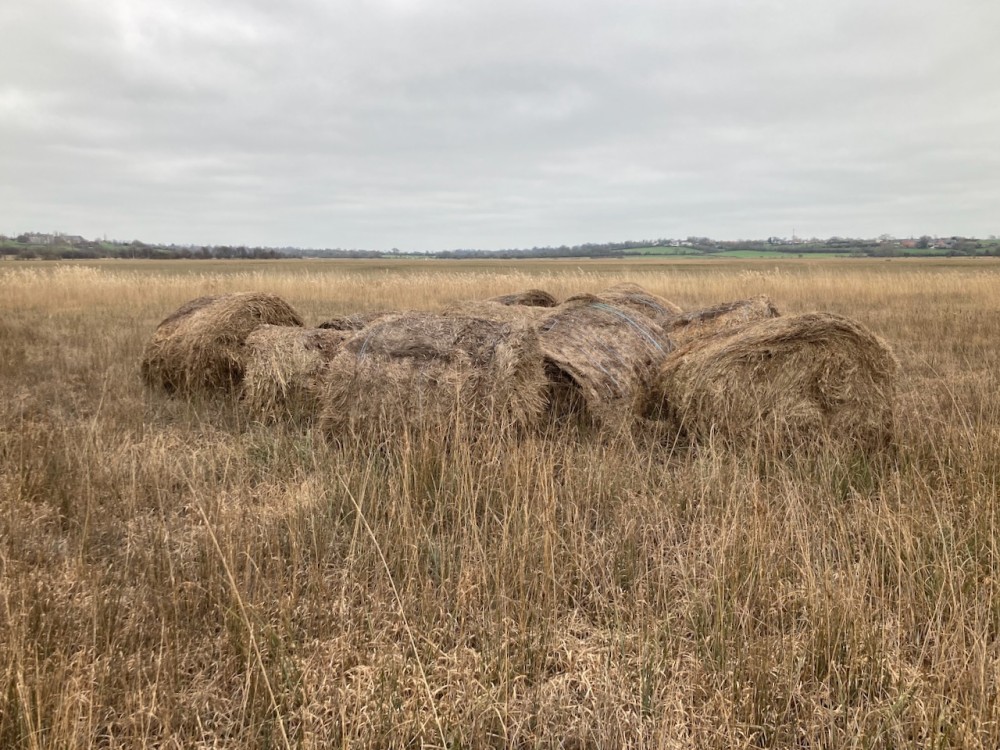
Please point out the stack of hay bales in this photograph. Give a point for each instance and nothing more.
(737, 371)
(601, 352)
(434, 374)
(285, 369)
(201, 346)
(781, 382)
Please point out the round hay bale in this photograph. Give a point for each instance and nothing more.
(432, 372)
(201, 345)
(711, 320)
(284, 367)
(600, 358)
(495, 311)
(631, 296)
(784, 381)
(527, 298)
(354, 321)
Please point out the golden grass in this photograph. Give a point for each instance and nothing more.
(174, 574)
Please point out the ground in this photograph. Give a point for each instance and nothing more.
(175, 574)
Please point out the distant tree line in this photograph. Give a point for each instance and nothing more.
(135, 249)
(22, 247)
(586, 250)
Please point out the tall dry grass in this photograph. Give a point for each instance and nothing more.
(173, 575)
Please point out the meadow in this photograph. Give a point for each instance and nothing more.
(175, 574)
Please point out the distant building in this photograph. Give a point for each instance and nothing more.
(40, 239)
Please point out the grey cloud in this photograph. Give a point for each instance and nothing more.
(427, 125)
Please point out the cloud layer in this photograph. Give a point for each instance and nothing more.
(439, 124)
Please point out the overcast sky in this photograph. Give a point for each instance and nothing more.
(439, 124)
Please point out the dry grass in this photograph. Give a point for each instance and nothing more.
(200, 346)
(175, 575)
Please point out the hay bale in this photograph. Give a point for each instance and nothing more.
(187, 308)
(711, 320)
(527, 298)
(432, 372)
(630, 296)
(600, 359)
(201, 345)
(785, 381)
(495, 311)
(354, 321)
(284, 368)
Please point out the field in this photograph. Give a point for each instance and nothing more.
(176, 575)
(728, 254)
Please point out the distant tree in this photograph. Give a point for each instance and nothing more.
(966, 246)
(924, 242)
